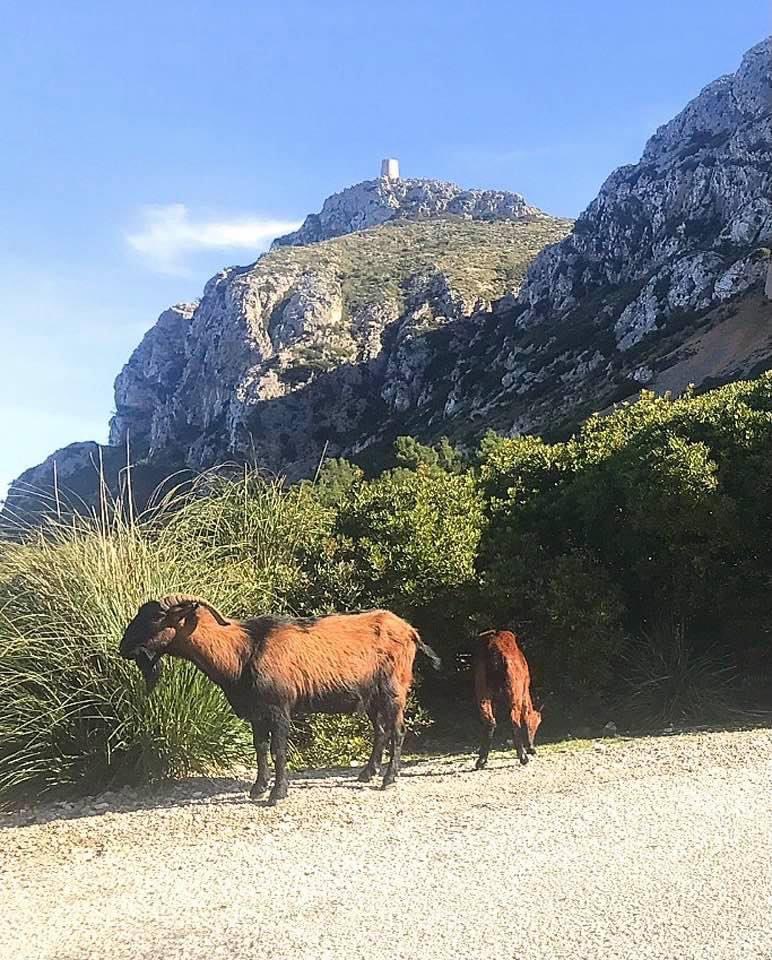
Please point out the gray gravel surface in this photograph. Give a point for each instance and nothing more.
(647, 848)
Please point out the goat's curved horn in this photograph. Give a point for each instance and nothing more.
(179, 599)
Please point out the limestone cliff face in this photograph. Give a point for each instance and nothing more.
(677, 231)
(677, 240)
(232, 375)
(151, 375)
(414, 306)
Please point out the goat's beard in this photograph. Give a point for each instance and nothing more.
(150, 667)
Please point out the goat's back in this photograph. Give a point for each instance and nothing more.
(500, 667)
(314, 656)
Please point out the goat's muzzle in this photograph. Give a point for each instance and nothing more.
(149, 664)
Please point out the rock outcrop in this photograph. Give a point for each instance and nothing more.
(374, 202)
(667, 242)
(151, 376)
(214, 381)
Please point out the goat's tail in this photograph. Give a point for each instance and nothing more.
(427, 651)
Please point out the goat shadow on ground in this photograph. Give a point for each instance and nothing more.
(223, 790)
(216, 791)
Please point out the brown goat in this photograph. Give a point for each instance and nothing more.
(270, 669)
(501, 674)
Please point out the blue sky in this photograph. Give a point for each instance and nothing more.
(145, 145)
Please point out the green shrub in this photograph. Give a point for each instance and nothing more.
(404, 538)
(661, 506)
(582, 620)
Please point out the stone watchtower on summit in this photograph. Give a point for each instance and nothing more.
(390, 168)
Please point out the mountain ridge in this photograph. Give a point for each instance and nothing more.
(311, 351)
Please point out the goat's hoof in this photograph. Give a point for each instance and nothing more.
(532, 751)
(389, 782)
(523, 761)
(480, 765)
(258, 789)
(278, 793)
(366, 775)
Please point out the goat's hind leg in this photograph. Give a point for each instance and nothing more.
(260, 738)
(280, 727)
(373, 766)
(396, 732)
(488, 720)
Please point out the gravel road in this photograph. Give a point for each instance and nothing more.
(646, 848)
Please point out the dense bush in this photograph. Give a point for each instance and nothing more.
(663, 507)
(636, 558)
(405, 537)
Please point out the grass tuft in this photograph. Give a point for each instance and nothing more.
(669, 682)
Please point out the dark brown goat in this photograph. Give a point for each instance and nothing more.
(501, 674)
(270, 669)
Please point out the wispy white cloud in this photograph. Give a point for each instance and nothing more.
(168, 234)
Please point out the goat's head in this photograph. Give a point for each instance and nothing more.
(157, 626)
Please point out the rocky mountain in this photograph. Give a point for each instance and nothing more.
(313, 344)
(672, 245)
(404, 306)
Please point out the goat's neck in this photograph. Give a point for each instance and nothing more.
(219, 652)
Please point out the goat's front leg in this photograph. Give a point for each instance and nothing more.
(530, 748)
(260, 738)
(280, 728)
